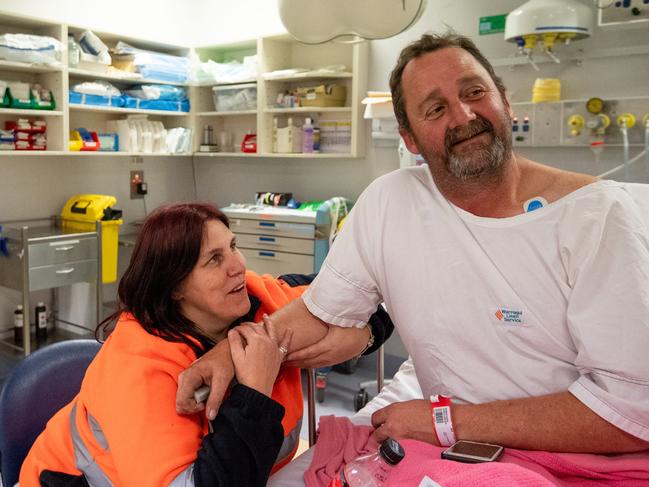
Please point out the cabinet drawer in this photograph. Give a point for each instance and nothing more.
(277, 263)
(266, 227)
(61, 251)
(274, 243)
(61, 275)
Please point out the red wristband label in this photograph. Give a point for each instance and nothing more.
(442, 421)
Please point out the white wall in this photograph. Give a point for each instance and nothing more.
(166, 21)
(223, 21)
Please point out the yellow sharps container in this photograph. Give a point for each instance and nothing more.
(80, 214)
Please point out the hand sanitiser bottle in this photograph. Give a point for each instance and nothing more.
(307, 136)
(372, 470)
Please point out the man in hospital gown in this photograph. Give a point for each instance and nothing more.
(534, 323)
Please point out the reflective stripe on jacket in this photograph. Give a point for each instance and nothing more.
(126, 430)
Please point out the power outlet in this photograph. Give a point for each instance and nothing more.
(137, 178)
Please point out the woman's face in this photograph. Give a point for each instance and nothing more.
(214, 294)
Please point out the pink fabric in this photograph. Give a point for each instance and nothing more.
(341, 441)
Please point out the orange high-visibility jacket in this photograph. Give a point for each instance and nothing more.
(125, 411)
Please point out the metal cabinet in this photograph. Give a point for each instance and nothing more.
(44, 256)
(277, 240)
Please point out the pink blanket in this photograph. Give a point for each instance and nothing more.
(340, 441)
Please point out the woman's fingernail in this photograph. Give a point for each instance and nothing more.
(211, 414)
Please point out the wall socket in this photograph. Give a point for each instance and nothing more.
(137, 177)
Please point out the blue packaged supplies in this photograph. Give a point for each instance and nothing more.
(157, 92)
(87, 99)
(166, 105)
(156, 65)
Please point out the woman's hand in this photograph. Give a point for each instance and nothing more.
(214, 369)
(257, 361)
(338, 345)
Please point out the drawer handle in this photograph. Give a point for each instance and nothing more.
(62, 249)
(266, 224)
(266, 239)
(65, 271)
(65, 242)
(266, 254)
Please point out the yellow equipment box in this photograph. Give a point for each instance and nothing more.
(323, 96)
(80, 214)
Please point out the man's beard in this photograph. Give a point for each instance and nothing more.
(479, 163)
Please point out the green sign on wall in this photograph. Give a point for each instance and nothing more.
(493, 24)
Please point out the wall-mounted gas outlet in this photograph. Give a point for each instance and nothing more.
(137, 184)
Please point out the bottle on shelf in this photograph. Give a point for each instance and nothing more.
(316, 139)
(19, 323)
(74, 52)
(40, 312)
(373, 469)
(307, 136)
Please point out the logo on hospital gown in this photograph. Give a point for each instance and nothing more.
(510, 316)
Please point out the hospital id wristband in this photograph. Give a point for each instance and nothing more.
(442, 421)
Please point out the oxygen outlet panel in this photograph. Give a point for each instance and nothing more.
(596, 126)
(624, 13)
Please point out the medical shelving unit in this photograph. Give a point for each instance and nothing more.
(279, 53)
(274, 52)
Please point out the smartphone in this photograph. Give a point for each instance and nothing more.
(472, 452)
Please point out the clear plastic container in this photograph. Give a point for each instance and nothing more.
(373, 470)
(74, 52)
(230, 98)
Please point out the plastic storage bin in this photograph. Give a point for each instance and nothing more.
(230, 98)
(80, 214)
(5, 99)
(23, 103)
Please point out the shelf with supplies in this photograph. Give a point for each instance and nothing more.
(310, 76)
(229, 154)
(117, 77)
(31, 112)
(233, 113)
(233, 106)
(107, 109)
(28, 67)
(309, 110)
(322, 83)
(273, 155)
(54, 153)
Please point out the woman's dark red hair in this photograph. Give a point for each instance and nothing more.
(166, 251)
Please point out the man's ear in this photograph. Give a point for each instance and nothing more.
(409, 140)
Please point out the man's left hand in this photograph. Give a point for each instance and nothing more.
(338, 345)
(408, 419)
